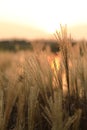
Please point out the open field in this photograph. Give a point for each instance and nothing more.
(41, 92)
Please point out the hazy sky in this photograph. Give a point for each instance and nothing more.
(45, 15)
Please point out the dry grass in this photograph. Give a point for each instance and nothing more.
(30, 100)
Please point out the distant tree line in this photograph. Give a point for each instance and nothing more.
(16, 45)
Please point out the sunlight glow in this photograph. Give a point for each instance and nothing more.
(46, 14)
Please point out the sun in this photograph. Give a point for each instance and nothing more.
(50, 28)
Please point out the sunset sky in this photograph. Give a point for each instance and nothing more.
(39, 18)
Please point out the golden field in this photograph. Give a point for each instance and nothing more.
(40, 90)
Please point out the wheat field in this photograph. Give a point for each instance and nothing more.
(32, 94)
